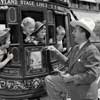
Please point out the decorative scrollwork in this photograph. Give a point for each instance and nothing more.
(21, 84)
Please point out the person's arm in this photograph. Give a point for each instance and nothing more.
(62, 58)
(91, 64)
(3, 63)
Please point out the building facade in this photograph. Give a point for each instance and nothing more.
(88, 9)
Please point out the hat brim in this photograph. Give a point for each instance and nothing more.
(37, 30)
(4, 32)
(78, 23)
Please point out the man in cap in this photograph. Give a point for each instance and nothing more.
(4, 44)
(82, 61)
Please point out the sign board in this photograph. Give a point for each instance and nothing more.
(32, 3)
(8, 2)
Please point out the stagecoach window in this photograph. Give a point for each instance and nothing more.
(61, 22)
(37, 15)
(51, 32)
(14, 33)
(2, 17)
(74, 1)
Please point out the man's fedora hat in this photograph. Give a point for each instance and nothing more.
(87, 23)
(3, 30)
(39, 25)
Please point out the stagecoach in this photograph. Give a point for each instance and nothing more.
(21, 78)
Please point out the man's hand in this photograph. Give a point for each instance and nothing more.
(60, 72)
(51, 48)
(67, 77)
(76, 79)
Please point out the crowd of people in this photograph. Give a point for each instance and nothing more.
(82, 61)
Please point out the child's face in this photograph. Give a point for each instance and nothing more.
(60, 35)
(29, 29)
(42, 33)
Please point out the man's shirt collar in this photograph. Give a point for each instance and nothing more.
(82, 44)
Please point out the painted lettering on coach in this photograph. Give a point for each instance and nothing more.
(41, 4)
(8, 2)
(25, 2)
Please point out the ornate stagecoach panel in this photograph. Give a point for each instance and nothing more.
(24, 75)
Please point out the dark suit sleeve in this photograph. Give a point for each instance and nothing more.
(91, 62)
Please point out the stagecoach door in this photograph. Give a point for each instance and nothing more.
(59, 19)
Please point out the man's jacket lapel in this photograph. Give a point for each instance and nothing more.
(75, 57)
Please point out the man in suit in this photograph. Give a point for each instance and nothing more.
(82, 61)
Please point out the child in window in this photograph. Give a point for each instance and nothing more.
(59, 36)
(4, 44)
(28, 26)
(40, 33)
